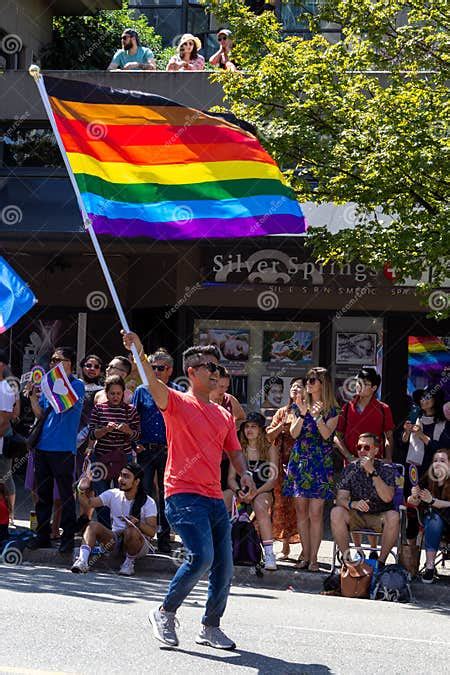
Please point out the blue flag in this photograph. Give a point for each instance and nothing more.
(16, 299)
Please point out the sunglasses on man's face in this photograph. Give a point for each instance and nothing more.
(365, 447)
(125, 37)
(222, 39)
(160, 369)
(212, 367)
(92, 366)
(56, 359)
(121, 370)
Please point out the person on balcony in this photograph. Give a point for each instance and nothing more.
(222, 58)
(187, 56)
(132, 56)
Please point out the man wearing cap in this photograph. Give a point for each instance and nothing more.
(222, 57)
(132, 56)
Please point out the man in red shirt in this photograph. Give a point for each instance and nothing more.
(365, 414)
(198, 431)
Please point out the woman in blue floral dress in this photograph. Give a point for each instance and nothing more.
(309, 475)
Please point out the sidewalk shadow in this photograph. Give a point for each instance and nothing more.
(260, 663)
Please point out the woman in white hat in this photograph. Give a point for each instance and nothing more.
(187, 56)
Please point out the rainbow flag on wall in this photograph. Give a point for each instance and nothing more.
(16, 299)
(147, 166)
(58, 390)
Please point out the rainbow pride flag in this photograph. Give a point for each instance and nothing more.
(147, 166)
(58, 390)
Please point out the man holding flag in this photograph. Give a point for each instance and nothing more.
(55, 455)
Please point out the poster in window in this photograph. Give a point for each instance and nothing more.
(356, 348)
(290, 347)
(233, 343)
(275, 391)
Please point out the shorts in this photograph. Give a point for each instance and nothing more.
(118, 539)
(366, 521)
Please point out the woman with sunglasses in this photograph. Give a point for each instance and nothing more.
(114, 426)
(309, 474)
(284, 519)
(187, 56)
(222, 57)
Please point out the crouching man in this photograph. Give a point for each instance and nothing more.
(133, 518)
(365, 499)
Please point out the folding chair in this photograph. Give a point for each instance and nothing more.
(399, 505)
(443, 554)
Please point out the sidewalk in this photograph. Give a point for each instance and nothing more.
(287, 577)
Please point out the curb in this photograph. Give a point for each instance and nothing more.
(286, 578)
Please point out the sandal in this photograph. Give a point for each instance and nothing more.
(313, 567)
(302, 564)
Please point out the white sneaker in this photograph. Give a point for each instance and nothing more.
(127, 569)
(270, 562)
(79, 567)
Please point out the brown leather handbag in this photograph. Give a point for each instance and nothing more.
(409, 557)
(355, 580)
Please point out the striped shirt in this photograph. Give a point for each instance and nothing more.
(102, 413)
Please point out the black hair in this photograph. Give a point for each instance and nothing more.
(68, 353)
(268, 384)
(371, 375)
(4, 358)
(141, 495)
(112, 380)
(132, 33)
(124, 361)
(191, 355)
(438, 397)
(91, 356)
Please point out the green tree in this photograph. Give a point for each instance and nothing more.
(363, 120)
(89, 42)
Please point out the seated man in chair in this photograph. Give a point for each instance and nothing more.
(365, 499)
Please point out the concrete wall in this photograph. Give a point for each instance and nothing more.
(19, 95)
(31, 21)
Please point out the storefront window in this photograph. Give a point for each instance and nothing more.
(262, 357)
(29, 147)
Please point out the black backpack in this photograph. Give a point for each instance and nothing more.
(247, 549)
(392, 583)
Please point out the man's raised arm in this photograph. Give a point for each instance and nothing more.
(158, 390)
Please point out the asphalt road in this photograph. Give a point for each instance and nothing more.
(52, 621)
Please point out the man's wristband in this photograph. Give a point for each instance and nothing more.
(318, 419)
(432, 502)
(248, 473)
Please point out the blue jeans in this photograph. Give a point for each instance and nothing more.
(204, 527)
(434, 526)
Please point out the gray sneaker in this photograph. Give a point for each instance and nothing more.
(214, 637)
(163, 624)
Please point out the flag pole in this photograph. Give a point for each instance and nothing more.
(35, 73)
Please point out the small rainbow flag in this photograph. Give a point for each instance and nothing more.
(147, 166)
(58, 390)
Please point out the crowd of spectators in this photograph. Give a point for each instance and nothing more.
(116, 427)
(134, 56)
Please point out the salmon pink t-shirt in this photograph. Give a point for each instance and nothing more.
(197, 434)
